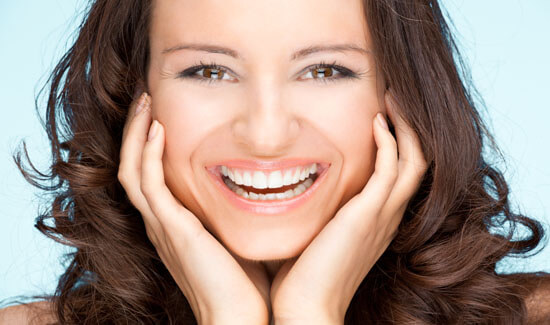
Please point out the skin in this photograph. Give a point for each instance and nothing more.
(230, 265)
(268, 107)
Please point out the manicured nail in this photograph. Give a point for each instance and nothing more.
(382, 121)
(153, 130)
(141, 103)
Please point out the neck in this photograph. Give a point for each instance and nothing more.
(272, 267)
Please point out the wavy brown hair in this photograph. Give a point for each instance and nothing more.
(440, 269)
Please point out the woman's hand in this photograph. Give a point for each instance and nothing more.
(317, 287)
(220, 288)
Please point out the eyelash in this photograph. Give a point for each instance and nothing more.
(343, 73)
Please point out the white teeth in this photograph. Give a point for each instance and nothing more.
(296, 177)
(287, 179)
(238, 177)
(275, 179)
(280, 196)
(313, 168)
(302, 187)
(270, 196)
(304, 174)
(259, 180)
(247, 178)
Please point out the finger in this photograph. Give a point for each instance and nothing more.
(375, 193)
(135, 136)
(385, 173)
(135, 107)
(169, 212)
(258, 275)
(129, 172)
(412, 164)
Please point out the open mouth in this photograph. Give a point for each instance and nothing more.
(255, 195)
(281, 193)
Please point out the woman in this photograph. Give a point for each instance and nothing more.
(276, 190)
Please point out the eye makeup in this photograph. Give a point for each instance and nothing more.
(330, 72)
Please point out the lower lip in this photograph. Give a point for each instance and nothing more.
(271, 207)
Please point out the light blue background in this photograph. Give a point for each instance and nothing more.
(505, 41)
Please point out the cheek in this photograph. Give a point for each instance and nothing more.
(189, 114)
(185, 116)
(181, 122)
(345, 118)
(356, 142)
(186, 124)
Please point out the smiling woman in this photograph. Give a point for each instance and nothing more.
(248, 162)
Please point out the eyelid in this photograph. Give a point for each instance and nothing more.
(343, 72)
(190, 72)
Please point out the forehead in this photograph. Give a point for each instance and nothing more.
(259, 25)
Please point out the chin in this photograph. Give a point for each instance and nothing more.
(266, 248)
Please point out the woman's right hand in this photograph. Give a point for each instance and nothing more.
(220, 287)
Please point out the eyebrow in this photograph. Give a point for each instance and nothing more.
(295, 56)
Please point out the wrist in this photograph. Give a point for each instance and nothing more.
(244, 319)
(234, 320)
(284, 315)
(313, 318)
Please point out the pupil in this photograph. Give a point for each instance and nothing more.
(208, 73)
(324, 72)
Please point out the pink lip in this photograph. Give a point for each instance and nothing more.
(267, 165)
(271, 207)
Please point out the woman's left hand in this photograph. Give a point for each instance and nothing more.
(317, 287)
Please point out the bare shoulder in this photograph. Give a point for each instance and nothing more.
(538, 300)
(35, 313)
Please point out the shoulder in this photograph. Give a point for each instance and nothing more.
(537, 300)
(35, 313)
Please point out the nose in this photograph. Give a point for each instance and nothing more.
(267, 126)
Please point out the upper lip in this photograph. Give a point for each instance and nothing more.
(265, 165)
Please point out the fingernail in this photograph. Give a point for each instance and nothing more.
(382, 121)
(141, 103)
(137, 92)
(152, 130)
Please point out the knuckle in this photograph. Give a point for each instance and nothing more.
(144, 187)
(421, 166)
(393, 145)
(393, 174)
(152, 237)
(421, 170)
(122, 176)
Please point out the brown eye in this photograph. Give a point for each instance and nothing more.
(209, 72)
(328, 72)
(324, 72)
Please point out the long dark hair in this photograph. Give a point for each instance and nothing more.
(440, 269)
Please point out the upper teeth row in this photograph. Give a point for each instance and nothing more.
(274, 179)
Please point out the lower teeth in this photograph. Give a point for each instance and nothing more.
(299, 189)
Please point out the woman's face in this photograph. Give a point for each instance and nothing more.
(265, 101)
